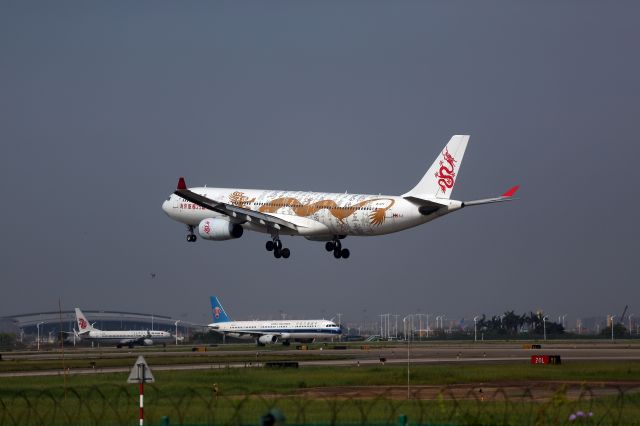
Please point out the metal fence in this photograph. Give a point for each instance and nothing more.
(427, 405)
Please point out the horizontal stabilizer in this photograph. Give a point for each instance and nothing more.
(507, 196)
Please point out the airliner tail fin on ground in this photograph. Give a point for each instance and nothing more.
(219, 315)
(83, 324)
(439, 180)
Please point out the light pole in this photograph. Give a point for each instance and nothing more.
(176, 323)
(563, 323)
(612, 317)
(427, 326)
(630, 315)
(544, 326)
(396, 327)
(38, 327)
(475, 328)
(387, 322)
(407, 327)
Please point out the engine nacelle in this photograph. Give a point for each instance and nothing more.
(219, 229)
(147, 342)
(268, 339)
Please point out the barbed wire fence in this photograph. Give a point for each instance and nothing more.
(450, 405)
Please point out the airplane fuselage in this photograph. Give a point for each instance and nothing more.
(284, 330)
(317, 214)
(126, 337)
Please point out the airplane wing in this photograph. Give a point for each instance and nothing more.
(236, 212)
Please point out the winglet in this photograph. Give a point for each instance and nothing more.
(511, 192)
(181, 183)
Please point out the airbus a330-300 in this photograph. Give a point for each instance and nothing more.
(220, 214)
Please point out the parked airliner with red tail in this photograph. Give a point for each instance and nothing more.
(224, 213)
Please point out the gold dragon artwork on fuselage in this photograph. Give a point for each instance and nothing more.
(237, 198)
(376, 217)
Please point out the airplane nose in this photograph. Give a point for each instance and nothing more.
(165, 206)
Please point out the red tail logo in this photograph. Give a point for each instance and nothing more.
(82, 323)
(216, 312)
(446, 175)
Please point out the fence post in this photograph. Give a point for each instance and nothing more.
(402, 420)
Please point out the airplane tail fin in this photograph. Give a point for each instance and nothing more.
(219, 315)
(439, 180)
(83, 324)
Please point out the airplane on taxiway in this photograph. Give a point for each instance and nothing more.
(224, 213)
(270, 332)
(120, 338)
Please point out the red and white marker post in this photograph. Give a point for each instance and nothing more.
(141, 367)
(141, 373)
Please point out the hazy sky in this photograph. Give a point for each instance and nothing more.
(103, 105)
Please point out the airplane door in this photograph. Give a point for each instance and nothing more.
(175, 201)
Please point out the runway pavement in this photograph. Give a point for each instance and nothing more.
(419, 353)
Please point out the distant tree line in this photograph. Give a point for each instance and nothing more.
(512, 324)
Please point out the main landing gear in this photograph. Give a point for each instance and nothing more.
(276, 247)
(191, 237)
(336, 247)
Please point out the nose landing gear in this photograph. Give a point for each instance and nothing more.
(336, 247)
(276, 247)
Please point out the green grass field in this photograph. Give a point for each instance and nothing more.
(187, 397)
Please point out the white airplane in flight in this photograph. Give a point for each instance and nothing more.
(270, 332)
(120, 338)
(224, 213)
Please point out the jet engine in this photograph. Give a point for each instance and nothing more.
(268, 339)
(219, 229)
(147, 342)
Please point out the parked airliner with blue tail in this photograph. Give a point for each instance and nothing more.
(224, 213)
(270, 332)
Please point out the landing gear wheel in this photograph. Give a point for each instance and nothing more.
(286, 253)
(191, 237)
(269, 246)
(345, 253)
(329, 246)
(277, 254)
(337, 253)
